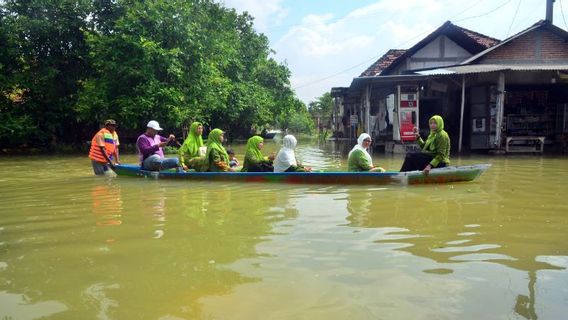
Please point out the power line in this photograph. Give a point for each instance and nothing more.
(376, 57)
(466, 9)
(487, 13)
(430, 31)
(532, 12)
(562, 11)
(336, 74)
(514, 17)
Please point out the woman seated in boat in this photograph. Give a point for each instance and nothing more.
(359, 158)
(285, 160)
(255, 161)
(192, 151)
(216, 158)
(435, 151)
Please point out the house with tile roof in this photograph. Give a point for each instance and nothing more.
(494, 95)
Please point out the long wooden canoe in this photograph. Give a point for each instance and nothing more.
(442, 175)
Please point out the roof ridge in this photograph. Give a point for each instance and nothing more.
(476, 33)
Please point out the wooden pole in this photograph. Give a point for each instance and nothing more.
(461, 114)
(500, 109)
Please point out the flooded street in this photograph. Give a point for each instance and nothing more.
(75, 246)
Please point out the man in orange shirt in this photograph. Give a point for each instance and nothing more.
(104, 148)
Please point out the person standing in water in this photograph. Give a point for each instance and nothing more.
(104, 148)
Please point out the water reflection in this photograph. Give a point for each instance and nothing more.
(463, 224)
(114, 265)
(107, 203)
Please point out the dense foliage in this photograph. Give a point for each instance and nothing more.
(67, 65)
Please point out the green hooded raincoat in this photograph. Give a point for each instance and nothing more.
(253, 155)
(216, 156)
(191, 145)
(437, 143)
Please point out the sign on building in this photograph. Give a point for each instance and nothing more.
(408, 113)
(353, 119)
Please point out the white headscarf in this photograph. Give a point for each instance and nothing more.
(286, 156)
(359, 146)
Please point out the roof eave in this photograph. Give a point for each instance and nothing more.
(394, 79)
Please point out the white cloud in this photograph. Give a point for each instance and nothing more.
(326, 50)
(330, 48)
(317, 86)
(316, 39)
(425, 7)
(266, 13)
(406, 35)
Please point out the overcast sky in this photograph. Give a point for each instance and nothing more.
(326, 43)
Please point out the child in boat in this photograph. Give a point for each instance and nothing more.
(285, 160)
(255, 161)
(233, 162)
(359, 158)
(435, 151)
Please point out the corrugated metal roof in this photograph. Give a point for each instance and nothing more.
(483, 68)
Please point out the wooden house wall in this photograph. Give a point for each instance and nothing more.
(441, 52)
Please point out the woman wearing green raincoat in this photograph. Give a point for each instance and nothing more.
(254, 160)
(217, 159)
(435, 151)
(189, 152)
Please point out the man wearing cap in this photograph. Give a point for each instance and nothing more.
(149, 145)
(104, 148)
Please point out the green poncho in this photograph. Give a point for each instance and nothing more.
(191, 145)
(215, 150)
(437, 143)
(253, 154)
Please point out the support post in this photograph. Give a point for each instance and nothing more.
(461, 113)
(500, 109)
(418, 107)
(396, 116)
(367, 109)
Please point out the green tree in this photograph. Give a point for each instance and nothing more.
(322, 110)
(177, 61)
(296, 119)
(67, 65)
(43, 61)
(323, 106)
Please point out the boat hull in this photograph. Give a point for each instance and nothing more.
(442, 175)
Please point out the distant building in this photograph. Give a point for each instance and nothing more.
(496, 95)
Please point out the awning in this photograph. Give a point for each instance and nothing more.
(389, 80)
(484, 68)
